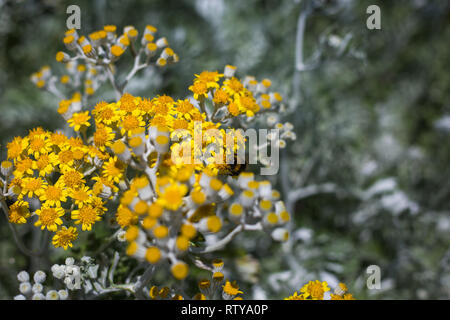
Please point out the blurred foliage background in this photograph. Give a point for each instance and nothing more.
(368, 176)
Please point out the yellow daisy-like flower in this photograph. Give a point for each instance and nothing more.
(200, 90)
(53, 195)
(72, 178)
(45, 164)
(346, 296)
(130, 123)
(233, 86)
(97, 204)
(113, 169)
(125, 217)
(64, 237)
(39, 145)
(65, 158)
(103, 137)
(23, 167)
(57, 139)
(315, 289)
(210, 78)
(81, 196)
(172, 196)
(79, 119)
(86, 216)
(49, 217)
(16, 147)
(106, 113)
(33, 186)
(295, 296)
(248, 104)
(19, 212)
(184, 106)
(231, 288)
(220, 97)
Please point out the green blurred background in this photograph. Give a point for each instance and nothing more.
(372, 118)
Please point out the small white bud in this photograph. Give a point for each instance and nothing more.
(70, 261)
(23, 276)
(280, 234)
(63, 294)
(38, 296)
(121, 236)
(37, 288)
(25, 288)
(20, 297)
(58, 271)
(52, 295)
(39, 276)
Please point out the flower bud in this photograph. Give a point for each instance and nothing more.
(23, 276)
(39, 276)
(25, 288)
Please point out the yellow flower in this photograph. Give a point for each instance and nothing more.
(247, 104)
(231, 288)
(106, 113)
(184, 106)
(45, 164)
(39, 145)
(210, 78)
(180, 270)
(16, 147)
(72, 178)
(57, 139)
(172, 196)
(117, 51)
(103, 137)
(295, 296)
(65, 158)
(64, 237)
(97, 204)
(128, 103)
(79, 119)
(54, 194)
(113, 169)
(233, 86)
(33, 186)
(131, 122)
(220, 97)
(125, 217)
(315, 289)
(200, 90)
(23, 167)
(86, 216)
(19, 212)
(81, 196)
(49, 217)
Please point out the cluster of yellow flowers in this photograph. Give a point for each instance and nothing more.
(158, 157)
(163, 204)
(164, 208)
(52, 168)
(315, 290)
(236, 97)
(94, 58)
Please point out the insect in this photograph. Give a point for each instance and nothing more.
(235, 168)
